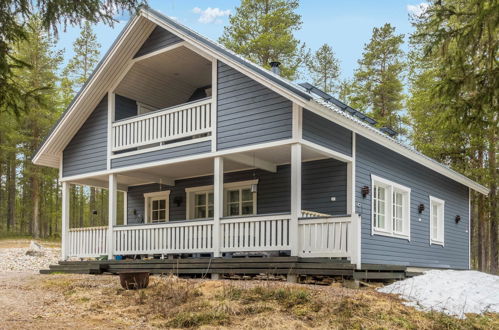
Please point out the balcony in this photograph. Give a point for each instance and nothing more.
(185, 122)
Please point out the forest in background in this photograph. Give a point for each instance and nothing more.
(441, 97)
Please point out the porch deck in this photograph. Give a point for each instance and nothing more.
(270, 266)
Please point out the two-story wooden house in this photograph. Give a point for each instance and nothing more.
(217, 156)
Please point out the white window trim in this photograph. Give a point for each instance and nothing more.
(388, 207)
(165, 194)
(442, 203)
(209, 188)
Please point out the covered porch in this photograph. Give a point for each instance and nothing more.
(290, 199)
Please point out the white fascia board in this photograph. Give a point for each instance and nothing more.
(41, 155)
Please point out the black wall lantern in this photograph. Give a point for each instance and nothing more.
(178, 200)
(94, 212)
(421, 208)
(364, 191)
(458, 218)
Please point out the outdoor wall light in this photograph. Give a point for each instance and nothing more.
(421, 208)
(94, 212)
(458, 218)
(178, 200)
(364, 191)
(254, 188)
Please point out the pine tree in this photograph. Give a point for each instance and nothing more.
(37, 52)
(85, 58)
(262, 32)
(324, 69)
(377, 86)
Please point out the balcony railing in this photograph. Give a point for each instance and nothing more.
(162, 126)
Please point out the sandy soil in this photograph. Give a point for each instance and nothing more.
(25, 304)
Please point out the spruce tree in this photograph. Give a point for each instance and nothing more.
(324, 69)
(14, 15)
(262, 32)
(377, 87)
(461, 41)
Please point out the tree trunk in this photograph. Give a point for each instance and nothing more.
(35, 198)
(11, 190)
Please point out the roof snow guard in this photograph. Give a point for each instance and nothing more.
(135, 33)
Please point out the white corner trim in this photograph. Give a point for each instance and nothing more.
(214, 104)
(111, 98)
(297, 121)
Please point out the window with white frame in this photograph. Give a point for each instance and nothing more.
(156, 208)
(437, 207)
(238, 200)
(203, 205)
(390, 208)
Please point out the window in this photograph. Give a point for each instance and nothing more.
(238, 200)
(390, 208)
(156, 206)
(436, 221)
(203, 205)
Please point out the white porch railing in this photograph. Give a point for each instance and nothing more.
(87, 242)
(317, 237)
(267, 233)
(180, 237)
(169, 124)
(325, 237)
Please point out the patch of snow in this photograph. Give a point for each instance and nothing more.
(23, 260)
(452, 292)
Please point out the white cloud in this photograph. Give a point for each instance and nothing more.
(417, 10)
(210, 15)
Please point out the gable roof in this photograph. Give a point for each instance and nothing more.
(129, 42)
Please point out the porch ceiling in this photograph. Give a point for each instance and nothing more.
(166, 79)
(279, 155)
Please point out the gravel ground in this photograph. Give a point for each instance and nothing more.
(16, 260)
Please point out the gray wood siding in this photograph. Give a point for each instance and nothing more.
(372, 158)
(326, 133)
(87, 151)
(159, 38)
(248, 112)
(162, 154)
(124, 107)
(321, 180)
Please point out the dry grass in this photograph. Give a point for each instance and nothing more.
(178, 303)
(8, 243)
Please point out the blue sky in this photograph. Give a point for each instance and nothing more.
(346, 25)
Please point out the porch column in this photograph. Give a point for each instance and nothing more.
(65, 221)
(218, 202)
(295, 197)
(113, 186)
